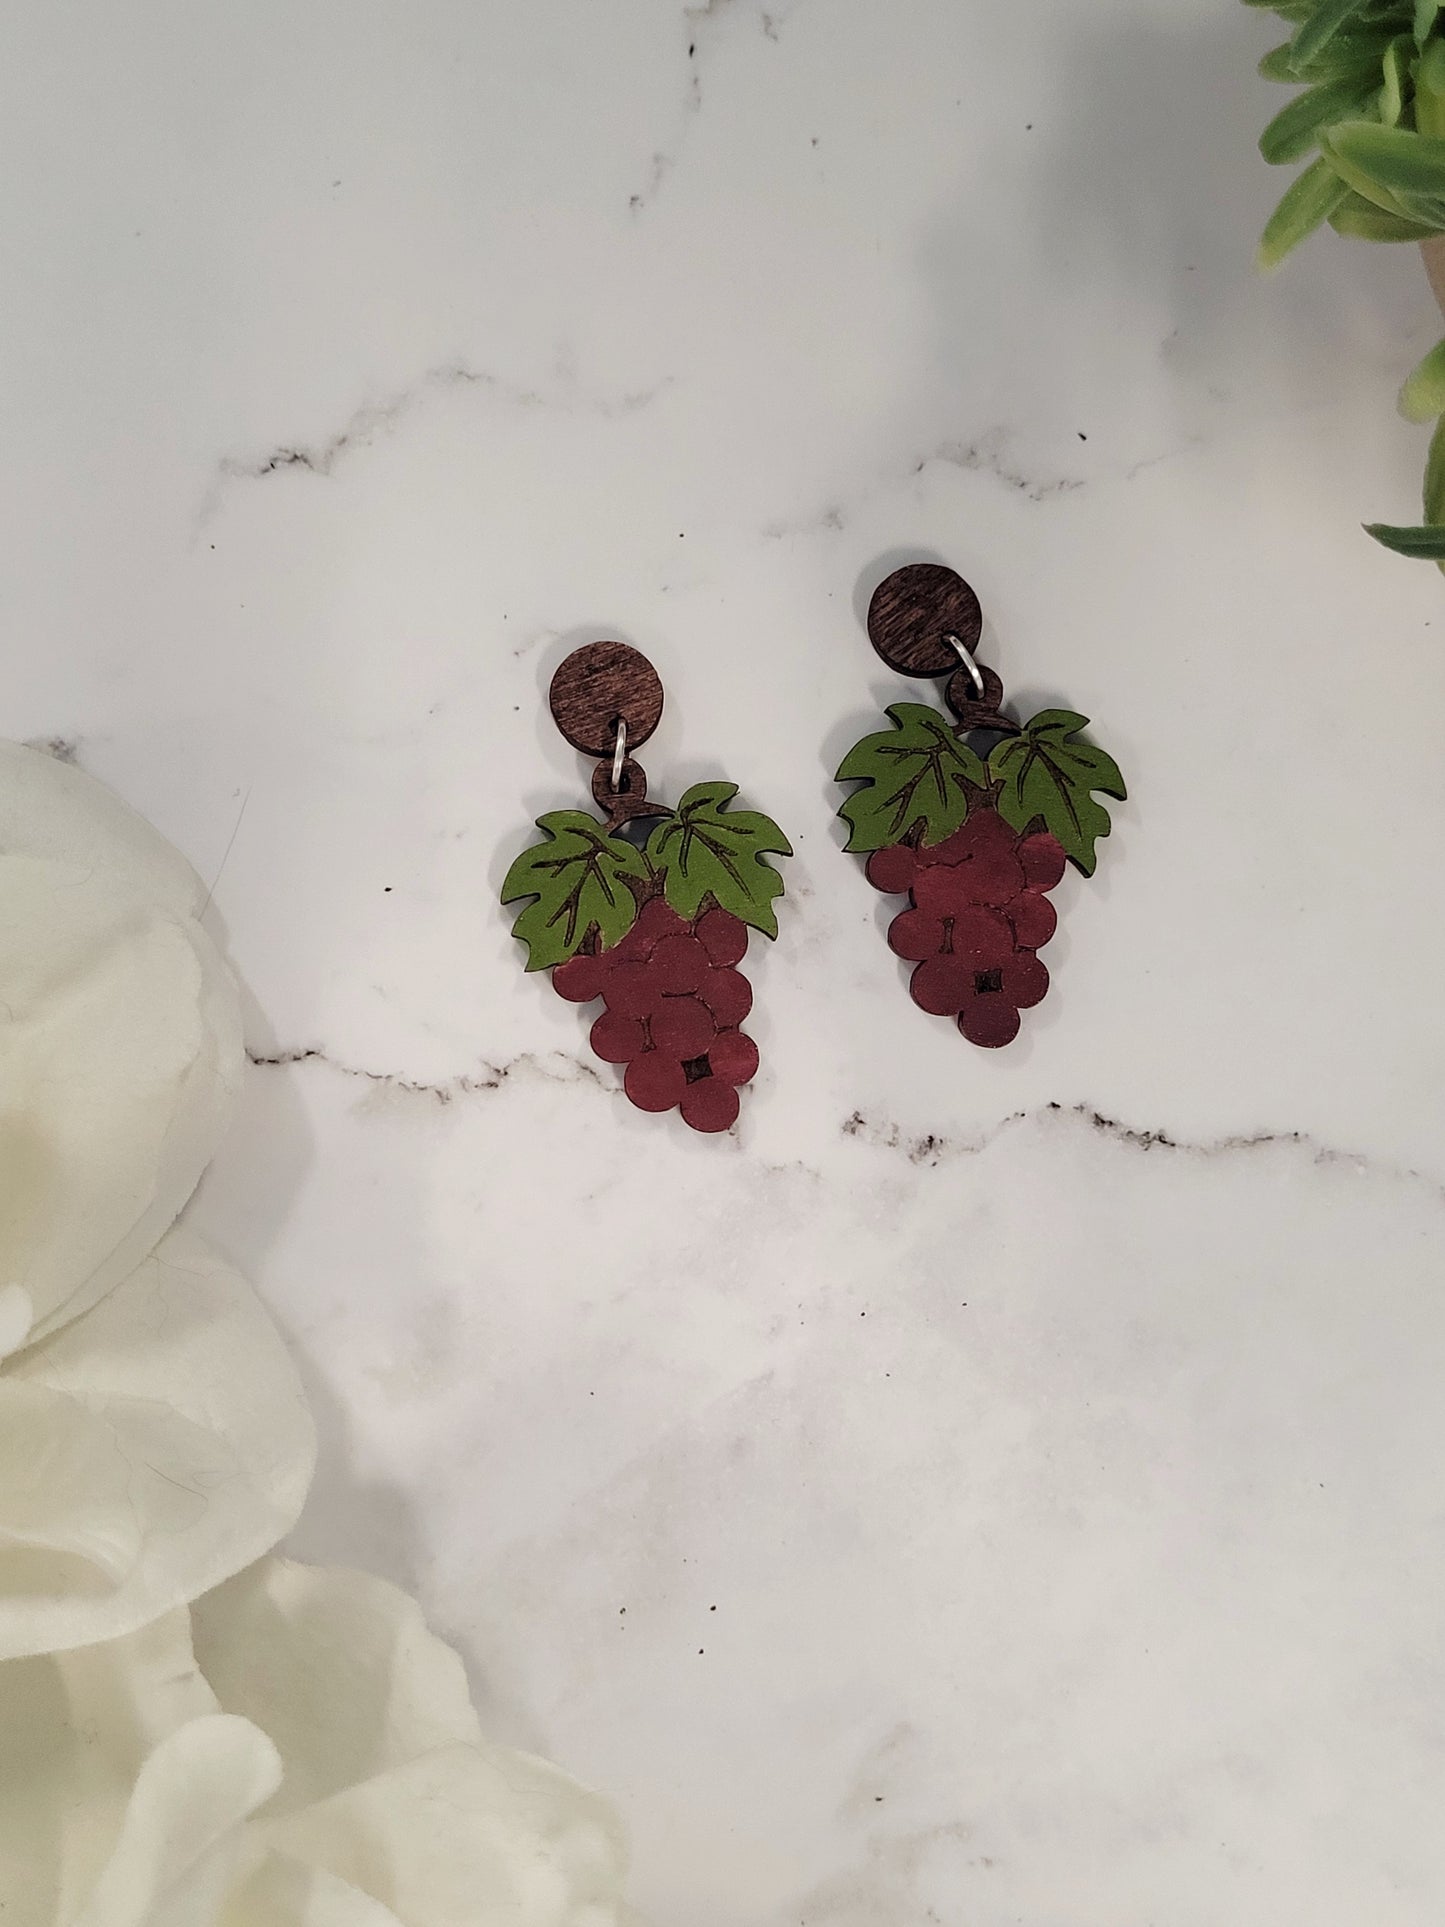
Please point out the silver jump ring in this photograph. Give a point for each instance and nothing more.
(967, 660)
(619, 754)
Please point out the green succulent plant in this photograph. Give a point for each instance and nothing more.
(1372, 114)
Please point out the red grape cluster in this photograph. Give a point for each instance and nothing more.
(979, 913)
(674, 1003)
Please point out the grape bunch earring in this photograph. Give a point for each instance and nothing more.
(975, 840)
(646, 907)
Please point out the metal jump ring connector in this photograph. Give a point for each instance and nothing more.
(966, 658)
(619, 754)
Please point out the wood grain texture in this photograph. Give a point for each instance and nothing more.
(600, 685)
(915, 610)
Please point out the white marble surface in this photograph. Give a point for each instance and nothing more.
(991, 1488)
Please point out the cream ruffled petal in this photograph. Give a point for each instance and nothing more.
(52, 809)
(126, 1800)
(120, 1042)
(175, 1860)
(337, 1666)
(389, 1784)
(147, 1451)
(463, 1836)
(287, 1893)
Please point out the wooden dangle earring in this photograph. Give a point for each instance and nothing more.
(646, 907)
(973, 818)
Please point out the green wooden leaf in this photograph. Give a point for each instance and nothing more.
(1430, 91)
(1046, 772)
(1323, 24)
(579, 880)
(1307, 202)
(1427, 543)
(1363, 221)
(917, 776)
(708, 850)
(1296, 128)
(1423, 396)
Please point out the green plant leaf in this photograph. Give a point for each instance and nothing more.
(1430, 90)
(1308, 201)
(1433, 493)
(1278, 64)
(1427, 542)
(917, 777)
(1425, 12)
(1046, 772)
(1296, 128)
(1363, 221)
(1398, 57)
(1348, 55)
(708, 850)
(1323, 24)
(1286, 9)
(1423, 396)
(1394, 167)
(579, 880)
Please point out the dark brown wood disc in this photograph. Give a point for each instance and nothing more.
(975, 708)
(600, 685)
(915, 610)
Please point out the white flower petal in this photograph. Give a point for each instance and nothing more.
(338, 1667)
(463, 1836)
(120, 1042)
(287, 1893)
(147, 1451)
(65, 1521)
(178, 1844)
(130, 1803)
(52, 809)
(389, 1784)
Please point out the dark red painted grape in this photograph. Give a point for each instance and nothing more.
(580, 979)
(1034, 920)
(632, 989)
(728, 995)
(979, 912)
(941, 984)
(710, 1105)
(943, 889)
(734, 1058)
(1043, 860)
(1025, 980)
(892, 870)
(674, 1000)
(983, 937)
(915, 934)
(990, 1020)
(617, 1039)
(654, 1081)
(723, 936)
(994, 877)
(683, 1027)
(680, 963)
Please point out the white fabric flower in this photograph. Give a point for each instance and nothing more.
(297, 1751)
(147, 1451)
(289, 1748)
(120, 1042)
